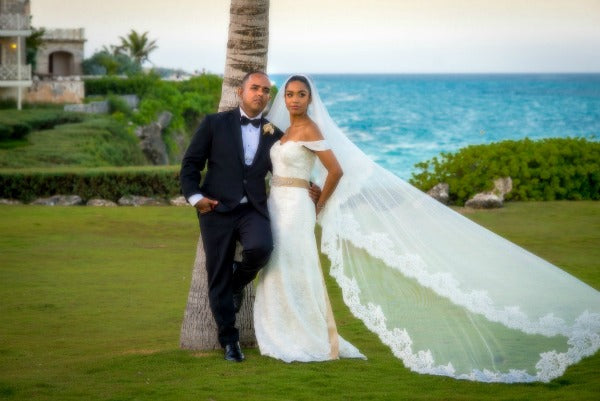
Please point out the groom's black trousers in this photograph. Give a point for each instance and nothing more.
(220, 231)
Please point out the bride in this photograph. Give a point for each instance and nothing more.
(293, 320)
(446, 295)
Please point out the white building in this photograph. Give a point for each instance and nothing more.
(14, 28)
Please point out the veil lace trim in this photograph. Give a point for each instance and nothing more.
(380, 233)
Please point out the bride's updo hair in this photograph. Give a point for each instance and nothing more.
(299, 78)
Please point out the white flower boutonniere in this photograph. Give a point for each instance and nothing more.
(268, 129)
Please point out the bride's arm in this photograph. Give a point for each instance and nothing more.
(327, 158)
(334, 174)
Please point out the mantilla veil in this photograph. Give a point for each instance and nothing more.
(448, 296)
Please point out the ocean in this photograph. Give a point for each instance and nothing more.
(400, 120)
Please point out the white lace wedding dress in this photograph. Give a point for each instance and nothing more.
(446, 295)
(293, 320)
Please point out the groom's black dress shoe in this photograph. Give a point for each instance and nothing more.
(233, 352)
(238, 299)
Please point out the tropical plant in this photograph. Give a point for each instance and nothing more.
(108, 62)
(32, 44)
(546, 169)
(137, 46)
(247, 46)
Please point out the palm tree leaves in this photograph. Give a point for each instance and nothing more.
(137, 46)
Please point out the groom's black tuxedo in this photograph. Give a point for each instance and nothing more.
(218, 142)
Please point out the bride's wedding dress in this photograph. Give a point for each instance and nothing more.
(447, 296)
(293, 320)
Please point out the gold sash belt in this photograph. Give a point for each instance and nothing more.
(278, 181)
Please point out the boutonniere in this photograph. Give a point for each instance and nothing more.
(268, 129)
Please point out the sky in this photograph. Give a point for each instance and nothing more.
(352, 36)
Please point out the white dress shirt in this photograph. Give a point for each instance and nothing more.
(250, 139)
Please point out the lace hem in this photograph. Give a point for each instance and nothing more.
(583, 338)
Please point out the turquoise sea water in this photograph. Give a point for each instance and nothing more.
(399, 120)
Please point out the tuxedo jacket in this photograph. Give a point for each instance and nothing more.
(218, 142)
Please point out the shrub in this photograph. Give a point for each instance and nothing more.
(104, 62)
(17, 124)
(136, 84)
(107, 183)
(20, 130)
(117, 104)
(547, 169)
(97, 141)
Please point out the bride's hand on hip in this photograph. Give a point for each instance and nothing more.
(314, 191)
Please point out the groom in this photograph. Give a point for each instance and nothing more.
(232, 201)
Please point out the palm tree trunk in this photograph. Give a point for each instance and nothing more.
(199, 330)
(247, 48)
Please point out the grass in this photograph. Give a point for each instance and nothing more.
(93, 298)
(68, 139)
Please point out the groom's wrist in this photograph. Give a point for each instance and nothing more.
(194, 199)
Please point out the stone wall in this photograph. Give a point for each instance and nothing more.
(61, 90)
(101, 107)
(61, 40)
(15, 7)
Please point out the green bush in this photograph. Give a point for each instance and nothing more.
(8, 104)
(106, 183)
(137, 84)
(117, 104)
(188, 101)
(5, 132)
(105, 62)
(97, 141)
(16, 124)
(546, 169)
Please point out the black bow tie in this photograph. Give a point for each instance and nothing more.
(245, 121)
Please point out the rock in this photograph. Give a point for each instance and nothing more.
(491, 199)
(59, 200)
(164, 119)
(151, 139)
(484, 201)
(133, 101)
(132, 200)
(101, 202)
(100, 107)
(179, 201)
(440, 192)
(10, 202)
(502, 186)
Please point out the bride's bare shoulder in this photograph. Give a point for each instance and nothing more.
(312, 132)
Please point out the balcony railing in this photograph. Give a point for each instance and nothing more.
(11, 72)
(14, 22)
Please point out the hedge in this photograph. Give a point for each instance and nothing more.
(546, 169)
(138, 84)
(17, 124)
(106, 183)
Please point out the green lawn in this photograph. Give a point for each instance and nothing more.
(92, 301)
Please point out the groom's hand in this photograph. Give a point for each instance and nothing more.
(206, 205)
(315, 192)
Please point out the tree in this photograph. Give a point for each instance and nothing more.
(137, 46)
(32, 44)
(108, 62)
(247, 48)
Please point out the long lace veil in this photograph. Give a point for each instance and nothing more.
(448, 296)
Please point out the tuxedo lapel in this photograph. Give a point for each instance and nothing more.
(262, 140)
(236, 129)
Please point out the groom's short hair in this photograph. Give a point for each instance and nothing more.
(252, 73)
